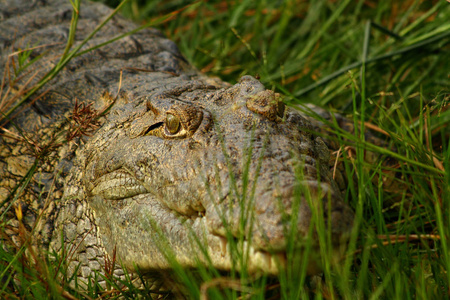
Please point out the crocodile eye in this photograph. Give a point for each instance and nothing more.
(172, 123)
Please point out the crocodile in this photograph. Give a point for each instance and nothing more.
(170, 162)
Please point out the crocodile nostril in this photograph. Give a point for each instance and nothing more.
(281, 109)
(268, 104)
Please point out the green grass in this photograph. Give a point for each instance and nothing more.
(383, 64)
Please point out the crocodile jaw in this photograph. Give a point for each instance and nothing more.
(156, 196)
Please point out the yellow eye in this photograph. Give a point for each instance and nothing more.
(172, 123)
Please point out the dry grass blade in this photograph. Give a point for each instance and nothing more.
(387, 240)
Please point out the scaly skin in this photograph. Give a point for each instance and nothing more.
(178, 155)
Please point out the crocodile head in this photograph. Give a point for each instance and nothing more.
(181, 172)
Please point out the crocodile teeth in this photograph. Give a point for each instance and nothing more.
(264, 260)
(223, 246)
(268, 260)
(280, 259)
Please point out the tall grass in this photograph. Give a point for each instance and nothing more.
(383, 64)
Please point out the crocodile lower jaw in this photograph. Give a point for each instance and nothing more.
(261, 262)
